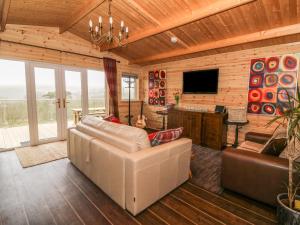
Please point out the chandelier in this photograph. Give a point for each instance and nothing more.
(101, 39)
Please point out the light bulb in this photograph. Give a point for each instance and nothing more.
(111, 20)
(127, 30)
(122, 23)
(91, 23)
(97, 29)
(100, 19)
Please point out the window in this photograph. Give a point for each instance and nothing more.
(96, 91)
(130, 82)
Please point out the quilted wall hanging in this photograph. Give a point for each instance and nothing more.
(157, 87)
(270, 78)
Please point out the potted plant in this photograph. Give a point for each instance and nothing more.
(176, 96)
(288, 210)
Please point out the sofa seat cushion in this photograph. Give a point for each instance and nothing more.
(133, 134)
(251, 146)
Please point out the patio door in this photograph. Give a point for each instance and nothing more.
(39, 101)
(74, 97)
(45, 102)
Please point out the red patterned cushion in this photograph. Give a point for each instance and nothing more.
(166, 136)
(152, 135)
(112, 118)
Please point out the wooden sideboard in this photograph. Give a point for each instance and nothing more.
(206, 129)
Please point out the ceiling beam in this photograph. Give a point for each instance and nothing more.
(197, 14)
(243, 39)
(80, 13)
(145, 13)
(4, 14)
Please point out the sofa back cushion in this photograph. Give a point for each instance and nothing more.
(119, 131)
(121, 143)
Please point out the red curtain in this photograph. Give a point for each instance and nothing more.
(110, 69)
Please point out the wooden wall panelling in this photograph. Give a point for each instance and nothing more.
(233, 83)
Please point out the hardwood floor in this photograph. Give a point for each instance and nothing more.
(57, 193)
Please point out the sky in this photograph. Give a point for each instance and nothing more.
(13, 80)
(13, 73)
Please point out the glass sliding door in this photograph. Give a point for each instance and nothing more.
(72, 101)
(14, 128)
(39, 101)
(46, 102)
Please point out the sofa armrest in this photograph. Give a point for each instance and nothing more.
(255, 175)
(153, 172)
(257, 137)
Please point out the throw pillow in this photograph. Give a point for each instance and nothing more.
(112, 118)
(152, 135)
(166, 136)
(274, 146)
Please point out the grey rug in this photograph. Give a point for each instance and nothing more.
(206, 168)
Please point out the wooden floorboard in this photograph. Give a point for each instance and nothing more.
(243, 212)
(92, 192)
(195, 215)
(58, 193)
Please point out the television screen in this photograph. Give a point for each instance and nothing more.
(201, 81)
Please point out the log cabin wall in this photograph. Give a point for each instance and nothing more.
(234, 70)
(50, 38)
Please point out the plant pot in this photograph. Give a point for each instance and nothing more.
(286, 215)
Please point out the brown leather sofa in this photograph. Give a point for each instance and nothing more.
(258, 176)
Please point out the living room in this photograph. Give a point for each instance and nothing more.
(149, 112)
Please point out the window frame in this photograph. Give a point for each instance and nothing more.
(137, 87)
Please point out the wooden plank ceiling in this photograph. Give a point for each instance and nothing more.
(202, 27)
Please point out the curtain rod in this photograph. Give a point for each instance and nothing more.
(53, 49)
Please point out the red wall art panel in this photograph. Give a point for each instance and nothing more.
(157, 87)
(270, 79)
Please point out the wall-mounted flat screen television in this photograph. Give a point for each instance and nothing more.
(201, 82)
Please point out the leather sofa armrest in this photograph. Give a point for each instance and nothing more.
(154, 172)
(257, 137)
(258, 176)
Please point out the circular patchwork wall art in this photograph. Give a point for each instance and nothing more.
(162, 93)
(258, 66)
(162, 84)
(156, 74)
(281, 108)
(254, 107)
(151, 75)
(162, 74)
(282, 94)
(271, 80)
(256, 80)
(268, 108)
(272, 64)
(162, 101)
(287, 79)
(255, 95)
(151, 101)
(289, 63)
(269, 95)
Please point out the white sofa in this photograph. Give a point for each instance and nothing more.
(119, 160)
